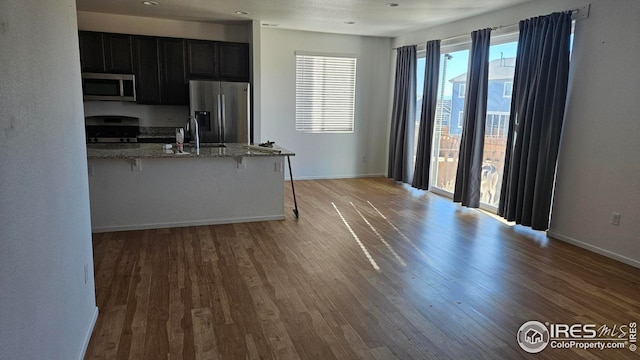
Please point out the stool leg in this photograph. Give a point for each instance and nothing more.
(295, 203)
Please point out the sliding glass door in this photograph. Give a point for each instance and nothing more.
(448, 120)
(502, 64)
(449, 117)
(420, 66)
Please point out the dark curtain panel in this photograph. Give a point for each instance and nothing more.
(468, 175)
(403, 115)
(537, 112)
(427, 117)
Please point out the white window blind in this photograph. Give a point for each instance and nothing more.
(325, 93)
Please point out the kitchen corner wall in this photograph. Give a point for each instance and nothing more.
(598, 166)
(362, 153)
(47, 297)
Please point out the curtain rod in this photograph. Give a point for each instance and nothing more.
(585, 14)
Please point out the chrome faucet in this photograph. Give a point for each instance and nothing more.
(193, 129)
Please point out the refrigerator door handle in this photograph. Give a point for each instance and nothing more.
(224, 117)
(220, 130)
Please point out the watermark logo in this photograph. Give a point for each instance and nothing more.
(533, 337)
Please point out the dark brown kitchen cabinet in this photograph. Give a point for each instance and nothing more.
(91, 51)
(117, 53)
(160, 71)
(202, 59)
(105, 52)
(234, 61)
(173, 77)
(162, 65)
(147, 69)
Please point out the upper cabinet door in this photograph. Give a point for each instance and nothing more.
(147, 69)
(234, 61)
(175, 89)
(117, 51)
(202, 59)
(91, 51)
(105, 52)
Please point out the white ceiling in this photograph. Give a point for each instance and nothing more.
(371, 17)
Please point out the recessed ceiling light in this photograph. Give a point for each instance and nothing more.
(242, 12)
(392, 4)
(150, 3)
(349, 22)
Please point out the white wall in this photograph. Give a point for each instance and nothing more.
(503, 17)
(598, 166)
(327, 155)
(47, 311)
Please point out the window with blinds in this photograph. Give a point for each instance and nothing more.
(325, 93)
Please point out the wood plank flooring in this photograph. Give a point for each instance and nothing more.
(371, 270)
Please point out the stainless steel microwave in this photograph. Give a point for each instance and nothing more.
(108, 87)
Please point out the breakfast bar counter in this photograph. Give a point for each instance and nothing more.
(150, 150)
(144, 186)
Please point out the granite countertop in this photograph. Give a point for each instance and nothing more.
(145, 150)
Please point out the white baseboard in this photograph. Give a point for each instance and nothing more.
(87, 336)
(595, 249)
(185, 223)
(331, 177)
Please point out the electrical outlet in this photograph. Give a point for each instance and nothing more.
(615, 218)
(86, 273)
(364, 158)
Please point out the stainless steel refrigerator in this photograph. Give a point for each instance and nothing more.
(222, 110)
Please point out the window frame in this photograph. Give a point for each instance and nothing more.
(317, 89)
(502, 120)
(462, 89)
(505, 87)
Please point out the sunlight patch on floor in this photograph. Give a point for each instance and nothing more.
(402, 234)
(380, 237)
(355, 236)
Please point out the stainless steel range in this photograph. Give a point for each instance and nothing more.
(110, 129)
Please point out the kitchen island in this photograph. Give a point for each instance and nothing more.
(144, 186)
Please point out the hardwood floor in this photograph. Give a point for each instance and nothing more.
(371, 270)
